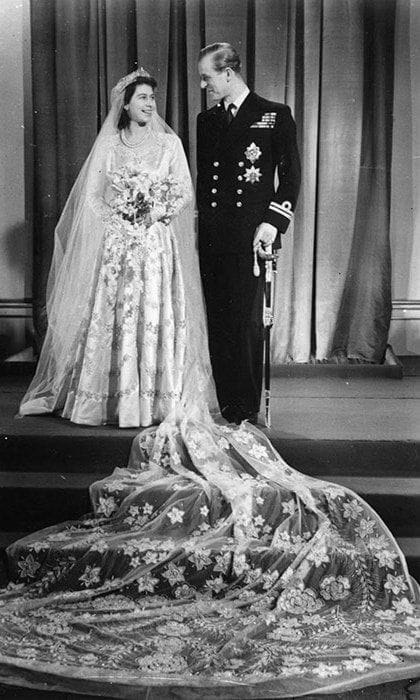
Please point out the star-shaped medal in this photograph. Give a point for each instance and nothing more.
(253, 152)
(252, 174)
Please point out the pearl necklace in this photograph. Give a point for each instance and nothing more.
(133, 144)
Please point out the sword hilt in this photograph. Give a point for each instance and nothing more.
(268, 319)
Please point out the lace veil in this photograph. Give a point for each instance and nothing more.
(77, 246)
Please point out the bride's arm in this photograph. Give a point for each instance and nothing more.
(179, 169)
(98, 184)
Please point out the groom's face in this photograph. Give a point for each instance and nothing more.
(215, 82)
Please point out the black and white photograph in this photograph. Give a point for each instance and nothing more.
(210, 349)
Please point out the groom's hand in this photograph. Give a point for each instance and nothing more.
(265, 236)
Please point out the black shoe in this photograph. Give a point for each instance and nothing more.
(236, 414)
(231, 414)
(252, 418)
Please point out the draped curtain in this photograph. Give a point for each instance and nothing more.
(332, 61)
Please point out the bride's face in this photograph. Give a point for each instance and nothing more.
(142, 104)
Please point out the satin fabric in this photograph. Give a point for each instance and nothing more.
(129, 359)
(127, 338)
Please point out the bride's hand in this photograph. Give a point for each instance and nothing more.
(158, 228)
(123, 82)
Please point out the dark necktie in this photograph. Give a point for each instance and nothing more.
(229, 113)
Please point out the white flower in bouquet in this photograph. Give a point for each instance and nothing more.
(158, 212)
(142, 200)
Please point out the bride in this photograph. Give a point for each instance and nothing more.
(207, 562)
(126, 332)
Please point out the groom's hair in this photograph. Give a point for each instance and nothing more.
(224, 56)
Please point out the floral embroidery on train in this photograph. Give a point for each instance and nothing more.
(215, 561)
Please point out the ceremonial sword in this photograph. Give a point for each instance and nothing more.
(268, 317)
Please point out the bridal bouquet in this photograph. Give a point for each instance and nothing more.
(142, 199)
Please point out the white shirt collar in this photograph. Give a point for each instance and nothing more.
(239, 100)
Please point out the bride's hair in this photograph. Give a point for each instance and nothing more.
(128, 94)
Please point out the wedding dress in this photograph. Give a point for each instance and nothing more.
(129, 360)
(126, 336)
(208, 563)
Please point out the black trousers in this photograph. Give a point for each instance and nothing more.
(234, 300)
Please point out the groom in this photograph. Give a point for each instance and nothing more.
(241, 142)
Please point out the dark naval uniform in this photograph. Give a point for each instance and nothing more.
(236, 191)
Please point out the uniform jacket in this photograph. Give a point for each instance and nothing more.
(236, 165)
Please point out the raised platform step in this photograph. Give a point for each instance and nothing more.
(363, 433)
(31, 501)
(80, 452)
(392, 367)
(353, 427)
(327, 369)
